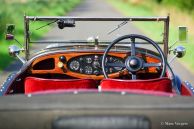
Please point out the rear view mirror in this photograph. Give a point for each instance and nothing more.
(183, 34)
(10, 31)
(179, 51)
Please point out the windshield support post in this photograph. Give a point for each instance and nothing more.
(26, 37)
(166, 34)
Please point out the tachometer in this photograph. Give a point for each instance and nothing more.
(74, 65)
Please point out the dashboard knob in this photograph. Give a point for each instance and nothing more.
(111, 70)
(60, 64)
(81, 70)
(111, 59)
(62, 59)
(96, 57)
(89, 60)
(96, 64)
(97, 72)
(81, 59)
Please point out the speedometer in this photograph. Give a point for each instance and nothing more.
(74, 65)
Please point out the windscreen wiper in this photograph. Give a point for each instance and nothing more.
(61, 23)
(46, 25)
(118, 26)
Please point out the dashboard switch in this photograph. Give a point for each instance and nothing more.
(81, 70)
(97, 72)
(63, 59)
(60, 64)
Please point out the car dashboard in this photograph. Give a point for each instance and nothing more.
(86, 64)
(91, 64)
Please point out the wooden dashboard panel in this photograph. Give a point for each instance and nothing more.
(69, 55)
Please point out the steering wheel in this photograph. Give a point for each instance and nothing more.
(133, 63)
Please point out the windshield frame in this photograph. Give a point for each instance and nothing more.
(28, 19)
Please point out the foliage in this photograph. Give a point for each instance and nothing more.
(12, 11)
(159, 1)
(182, 4)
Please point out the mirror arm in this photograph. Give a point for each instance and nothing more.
(18, 42)
(172, 45)
(21, 59)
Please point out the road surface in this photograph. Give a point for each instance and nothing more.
(97, 8)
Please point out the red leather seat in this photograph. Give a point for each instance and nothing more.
(33, 84)
(160, 84)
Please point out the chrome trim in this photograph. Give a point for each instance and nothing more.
(6, 84)
(40, 18)
(189, 85)
(14, 50)
(179, 51)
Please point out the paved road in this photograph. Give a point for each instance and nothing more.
(97, 8)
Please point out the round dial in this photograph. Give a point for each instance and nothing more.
(89, 60)
(119, 62)
(88, 70)
(74, 65)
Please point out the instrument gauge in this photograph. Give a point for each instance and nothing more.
(89, 60)
(118, 68)
(111, 59)
(74, 65)
(88, 70)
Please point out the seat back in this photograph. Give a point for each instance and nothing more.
(160, 84)
(33, 84)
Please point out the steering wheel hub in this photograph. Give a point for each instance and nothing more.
(133, 63)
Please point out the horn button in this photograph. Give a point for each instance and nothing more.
(133, 63)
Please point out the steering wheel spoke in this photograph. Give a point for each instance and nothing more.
(133, 76)
(121, 65)
(145, 65)
(133, 46)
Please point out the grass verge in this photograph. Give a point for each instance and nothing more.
(12, 12)
(148, 8)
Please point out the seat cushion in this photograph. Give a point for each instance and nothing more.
(160, 84)
(33, 84)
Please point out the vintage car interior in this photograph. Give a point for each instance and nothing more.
(117, 65)
(107, 77)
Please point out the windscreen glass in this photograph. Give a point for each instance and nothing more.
(87, 31)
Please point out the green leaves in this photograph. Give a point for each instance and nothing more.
(181, 4)
(12, 12)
